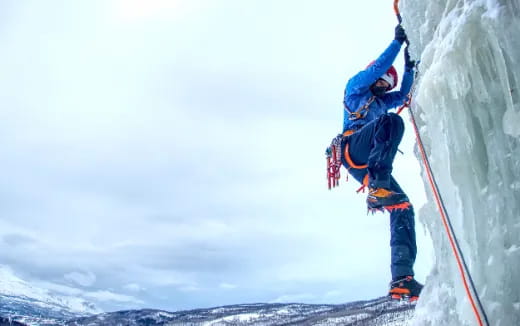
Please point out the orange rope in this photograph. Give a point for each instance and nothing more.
(445, 223)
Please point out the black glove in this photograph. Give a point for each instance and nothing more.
(400, 34)
(408, 63)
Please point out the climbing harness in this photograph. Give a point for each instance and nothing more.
(467, 280)
(335, 155)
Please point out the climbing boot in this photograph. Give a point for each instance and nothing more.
(379, 198)
(406, 288)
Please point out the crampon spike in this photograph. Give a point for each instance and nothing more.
(375, 210)
(401, 206)
(404, 298)
(399, 291)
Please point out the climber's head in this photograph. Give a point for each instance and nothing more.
(385, 83)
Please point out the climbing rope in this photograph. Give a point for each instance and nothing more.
(469, 285)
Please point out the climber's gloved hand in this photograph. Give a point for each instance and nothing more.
(400, 34)
(408, 63)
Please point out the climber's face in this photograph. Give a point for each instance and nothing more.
(382, 83)
(380, 87)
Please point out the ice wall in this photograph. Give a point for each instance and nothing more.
(468, 109)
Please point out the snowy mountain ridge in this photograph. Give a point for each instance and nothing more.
(19, 298)
(26, 303)
(377, 312)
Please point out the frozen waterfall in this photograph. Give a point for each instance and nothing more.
(467, 106)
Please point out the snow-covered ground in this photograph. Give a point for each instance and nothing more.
(467, 105)
(377, 312)
(33, 305)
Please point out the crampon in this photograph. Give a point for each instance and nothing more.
(390, 208)
(405, 289)
(400, 206)
(404, 298)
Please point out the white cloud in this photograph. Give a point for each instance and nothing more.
(290, 298)
(227, 286)
(59, 288)
(105, 296)
(190, 288)
(134, 287)
(165, 278)
(97, 296)
(83, 279)
(333, 294)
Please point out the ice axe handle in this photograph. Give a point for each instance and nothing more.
(397, 13)
(399, 18)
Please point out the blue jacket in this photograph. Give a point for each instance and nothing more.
(357, 92)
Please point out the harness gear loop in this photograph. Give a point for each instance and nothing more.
(361, 112)
(333, 155)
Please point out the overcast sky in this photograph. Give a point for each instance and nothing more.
(170, 153)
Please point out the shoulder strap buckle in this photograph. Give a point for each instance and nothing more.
(361, 112)
(357, 115)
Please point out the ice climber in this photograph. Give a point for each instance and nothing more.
(369, 144)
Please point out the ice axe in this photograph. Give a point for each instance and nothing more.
(400, 20)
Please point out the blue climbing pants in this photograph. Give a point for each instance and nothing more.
(375, 144)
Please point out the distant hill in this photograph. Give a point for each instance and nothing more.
(22, 303)
(27, 303)
(377, 312)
